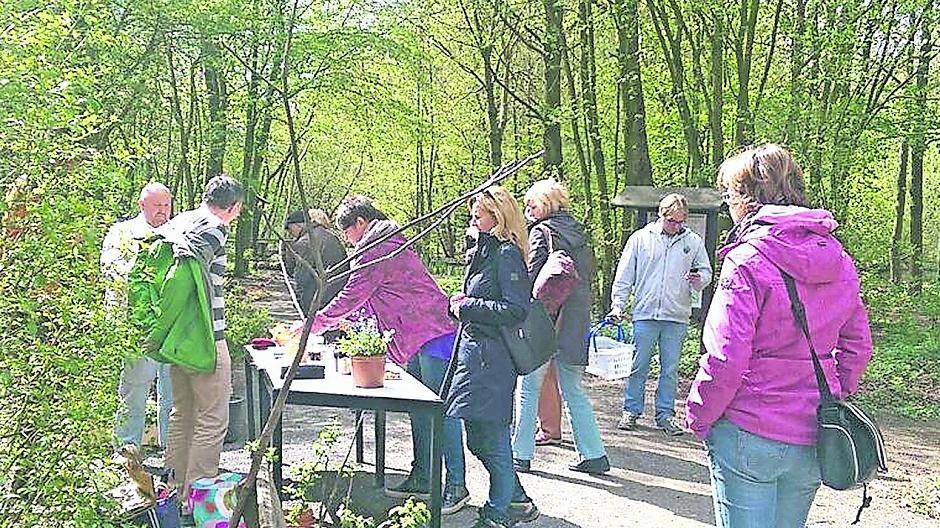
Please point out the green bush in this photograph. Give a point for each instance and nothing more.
(61, 357)
(243, 320)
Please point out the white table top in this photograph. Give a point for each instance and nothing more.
(271, 360)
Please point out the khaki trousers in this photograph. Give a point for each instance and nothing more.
(199, 420)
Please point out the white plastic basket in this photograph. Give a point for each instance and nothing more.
(609, 358)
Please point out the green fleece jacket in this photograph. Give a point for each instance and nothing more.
(168, 299)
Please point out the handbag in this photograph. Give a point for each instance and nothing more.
(849, 446)
(531, 343)
(557, 278)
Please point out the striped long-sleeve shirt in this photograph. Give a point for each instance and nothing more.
(206, 233)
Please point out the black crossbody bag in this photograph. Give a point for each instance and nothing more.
(849, 446)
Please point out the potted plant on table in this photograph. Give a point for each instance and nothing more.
(366, 346)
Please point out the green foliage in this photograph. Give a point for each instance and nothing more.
(450, 284)
(363, 338)
(904, 373)
(243, 321)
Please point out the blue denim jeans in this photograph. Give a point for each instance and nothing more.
(489, 442)
(668, 335)
(134, 391)
(430, 371)
(587, 437)
(758, 482)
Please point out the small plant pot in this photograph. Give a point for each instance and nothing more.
(368, 372)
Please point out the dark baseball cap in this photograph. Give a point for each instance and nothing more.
(296, 217)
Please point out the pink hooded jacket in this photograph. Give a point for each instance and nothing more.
(399, 292)
(756, 371)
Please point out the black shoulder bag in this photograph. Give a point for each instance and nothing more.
(849, 447)
(531, 343)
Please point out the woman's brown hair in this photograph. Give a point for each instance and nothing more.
(763, 174)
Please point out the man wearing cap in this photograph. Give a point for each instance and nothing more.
(307, 235)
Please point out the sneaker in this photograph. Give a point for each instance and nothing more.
(521, 466)
(628, 421)
(455, 498)
(594, 466)
(523, 511)
(543, 439)
(669, 427)
(412, 486)
(487, 521)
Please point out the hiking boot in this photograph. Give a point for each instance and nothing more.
(543, 439)
(412, 486)
(594, 466)
(521, 466)
(455, 498)
(669, 427)
(628, 421)
(523, 511)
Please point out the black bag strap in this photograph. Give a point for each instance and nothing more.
(799, 313)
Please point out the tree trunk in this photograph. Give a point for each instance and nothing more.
(551, 138)
(896, 239)
(218, 106)
(717, 65)
(636, 167)
(743, 52)
(492, 112)
(918, 147)
(243, 234)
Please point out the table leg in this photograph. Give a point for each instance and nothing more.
(437, 441)
(249, 393)
(277, 444)
(380, 449)
(360, 458)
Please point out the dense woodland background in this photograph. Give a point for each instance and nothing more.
(411, 102)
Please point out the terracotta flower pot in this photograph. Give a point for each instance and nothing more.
(368, 372)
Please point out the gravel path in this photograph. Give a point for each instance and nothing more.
(655, 481)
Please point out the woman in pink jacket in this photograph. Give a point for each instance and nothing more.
(754, 399)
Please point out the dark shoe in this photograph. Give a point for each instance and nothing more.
(594, 466)
(628, 421)
(669, 427)
(455, 498)
(521, 466)
(412, 486)
(523, 512)
(488, 521)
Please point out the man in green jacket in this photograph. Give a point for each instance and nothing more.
(200, 400)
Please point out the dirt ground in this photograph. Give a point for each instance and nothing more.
(654, 481)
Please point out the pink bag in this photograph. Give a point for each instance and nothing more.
(557, 278)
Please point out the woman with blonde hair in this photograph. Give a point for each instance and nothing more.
(754, 399)
(496, 293)
(554, 229)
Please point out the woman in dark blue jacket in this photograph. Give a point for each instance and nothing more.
(496, 294)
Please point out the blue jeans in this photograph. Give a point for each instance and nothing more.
(669, 336)
(134, 391)
(586, 435)
(430, 371)
(758, 482)
(489, 442)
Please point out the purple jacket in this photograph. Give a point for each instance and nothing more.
(756, 371)
(399, 292)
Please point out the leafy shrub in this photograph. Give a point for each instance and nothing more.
(243, 320)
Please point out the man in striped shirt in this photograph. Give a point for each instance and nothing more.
(200, 401)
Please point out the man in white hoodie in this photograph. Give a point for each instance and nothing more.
(118, 254)
(661, 265)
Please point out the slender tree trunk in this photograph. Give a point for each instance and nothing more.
(743, 51)
(243, 234)
(637, 169)
(896, 272)
(553, 44)
(717, 65)
(218, 107)
(492, 112)
(918, 148)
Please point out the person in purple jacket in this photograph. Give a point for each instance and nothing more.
(403, 297)
(754, 399)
